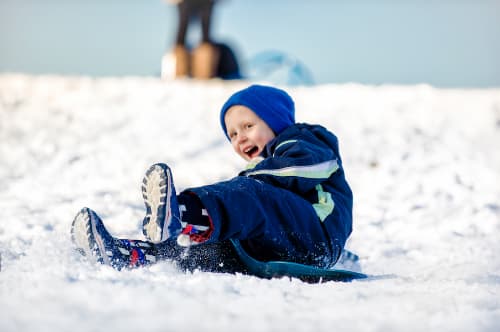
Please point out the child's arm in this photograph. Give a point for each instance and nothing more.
(298, 162)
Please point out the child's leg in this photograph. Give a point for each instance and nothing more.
(273, 223)
(94, 241)
(211, 257)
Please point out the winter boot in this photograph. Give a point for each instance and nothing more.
(204, 61)
(175, 63)
(162, 211)
(170, 216)
(94, 241)
(181, 57)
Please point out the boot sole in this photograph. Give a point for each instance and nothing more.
(156, 194)
(86, 237)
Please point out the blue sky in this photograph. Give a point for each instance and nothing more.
(450, 43)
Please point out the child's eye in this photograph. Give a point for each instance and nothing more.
(248, 126)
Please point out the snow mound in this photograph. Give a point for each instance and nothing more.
(424, 165)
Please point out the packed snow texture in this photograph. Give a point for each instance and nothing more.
(424, 165)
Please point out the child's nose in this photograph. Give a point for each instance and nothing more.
(242, 137)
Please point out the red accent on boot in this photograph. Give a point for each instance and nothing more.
(134, 257)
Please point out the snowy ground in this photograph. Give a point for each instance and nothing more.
(424, 165)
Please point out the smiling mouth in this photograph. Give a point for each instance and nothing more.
(251, 151)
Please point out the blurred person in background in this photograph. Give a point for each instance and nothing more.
(202, 62)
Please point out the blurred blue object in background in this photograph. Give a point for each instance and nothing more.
(279, 68)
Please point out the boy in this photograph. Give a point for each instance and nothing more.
(292, 203)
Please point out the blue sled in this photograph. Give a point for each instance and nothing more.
(276, 269)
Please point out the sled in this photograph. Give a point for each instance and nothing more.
(308, 273)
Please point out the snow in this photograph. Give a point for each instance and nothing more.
(423, 162)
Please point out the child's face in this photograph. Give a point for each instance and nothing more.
(249, 134)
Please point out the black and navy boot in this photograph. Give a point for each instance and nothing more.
(93, 240)
(162, 219)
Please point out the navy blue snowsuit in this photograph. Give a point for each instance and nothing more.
(294, 205)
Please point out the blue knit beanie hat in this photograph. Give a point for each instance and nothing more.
(272, 105)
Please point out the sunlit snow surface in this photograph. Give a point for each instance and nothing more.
(424, 165)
